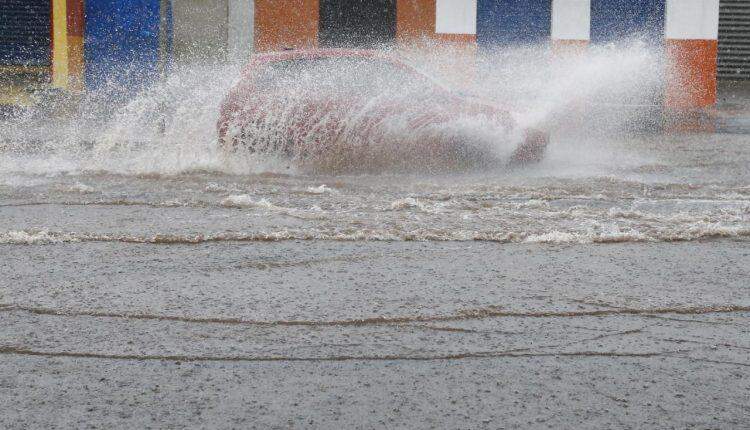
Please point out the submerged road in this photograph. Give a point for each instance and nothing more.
(153, 286)
(375, 335)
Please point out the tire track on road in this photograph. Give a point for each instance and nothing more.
(464, 315)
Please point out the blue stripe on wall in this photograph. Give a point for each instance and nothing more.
(170, 34)
(506, 22)
(121, 42)
(616, 19)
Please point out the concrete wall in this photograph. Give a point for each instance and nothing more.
(240, 29)
(212, 30)
(200, 30)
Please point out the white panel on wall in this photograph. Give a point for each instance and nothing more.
(240, 32)
(692, 19)
(456, 16)
(571, 19)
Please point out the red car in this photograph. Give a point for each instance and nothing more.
(354, 110)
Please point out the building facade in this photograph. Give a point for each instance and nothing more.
(73, 45)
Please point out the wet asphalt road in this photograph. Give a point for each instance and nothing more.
(149, 297)
(376, 335)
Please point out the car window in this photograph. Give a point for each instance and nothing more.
(341, 75)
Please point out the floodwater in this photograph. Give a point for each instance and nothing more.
(148, 279)
(150, 169)
(640, 189)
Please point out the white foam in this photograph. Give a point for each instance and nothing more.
(81, 188)
(556, 237)
(617, 212)
(408, 203)
(697, 232)
(216, 188)
(322, 189)
(41, 237)
(246, 201)
(622, 236)
(532, 204)
(709, 229)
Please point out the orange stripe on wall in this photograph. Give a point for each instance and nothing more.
(415, 19)
(691, 82)
(75, 17)
(75, 62)
(75, 23)
(459, 39)
(286, 24)
(566, 47)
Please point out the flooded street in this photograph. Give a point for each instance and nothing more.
(643, 189)
(598, 287)
(150, 280)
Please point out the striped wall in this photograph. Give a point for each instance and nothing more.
(491, 22)
(687, 28)
(133, 33)
(298, 24)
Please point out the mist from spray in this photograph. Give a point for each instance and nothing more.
(170, 127)
(553, 89)
(167, 128)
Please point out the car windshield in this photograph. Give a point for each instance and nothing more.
(343, 75)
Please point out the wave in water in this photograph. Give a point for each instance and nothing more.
(697, 231)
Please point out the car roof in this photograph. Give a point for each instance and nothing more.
(272, 57)
(266, 58)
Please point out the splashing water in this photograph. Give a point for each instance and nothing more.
(170, 128)
(572, 91)
(150, 168)
(166, 129)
